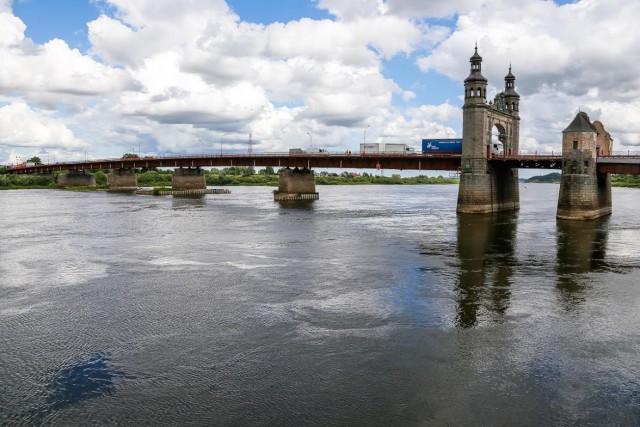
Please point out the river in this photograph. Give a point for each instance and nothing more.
(375, 305)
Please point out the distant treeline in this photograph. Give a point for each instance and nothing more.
(224, 177)
(616, 180)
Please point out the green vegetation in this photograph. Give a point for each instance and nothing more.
(27, 181)
(234, 176)
(158, 190)
(35, 159)
(630, 181)
(346, 178)
(551, 178)
(625, 181)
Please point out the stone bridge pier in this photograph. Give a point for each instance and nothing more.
(584, 193)
(122, 180)
(189, 179)
(296, 184)
(77, 179)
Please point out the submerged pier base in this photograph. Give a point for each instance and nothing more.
(296, 184)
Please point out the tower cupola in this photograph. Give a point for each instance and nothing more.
(511, 97)
(476, 84)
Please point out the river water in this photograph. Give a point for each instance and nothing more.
(375, 305)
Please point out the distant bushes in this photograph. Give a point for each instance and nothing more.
(28, 181)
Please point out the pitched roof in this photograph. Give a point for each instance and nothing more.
(580, 124)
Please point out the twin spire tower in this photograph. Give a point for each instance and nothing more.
(487, 187)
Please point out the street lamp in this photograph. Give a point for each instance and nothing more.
(310, 140)
(221, 138)
(364, 140)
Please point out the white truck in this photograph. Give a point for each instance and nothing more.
(398, 148)
(372, 148)
(293, 151)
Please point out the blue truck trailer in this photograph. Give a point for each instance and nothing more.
(442, 145)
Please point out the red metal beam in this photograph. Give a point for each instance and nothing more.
(321, 160)
(619, 164)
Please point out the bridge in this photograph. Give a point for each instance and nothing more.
(617, 163)
(488, 177)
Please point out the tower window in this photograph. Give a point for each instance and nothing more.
(575, 145)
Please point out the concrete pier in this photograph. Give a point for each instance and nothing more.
(584, 194)
(77, 179)
(296, 184)
(189, 179)
(122, 180)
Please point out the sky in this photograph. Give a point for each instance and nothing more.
(100, 78)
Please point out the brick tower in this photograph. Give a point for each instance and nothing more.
(584, 194)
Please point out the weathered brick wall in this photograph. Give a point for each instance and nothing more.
(583, 193)
(296, 181)
(497, 191)
(582, 198)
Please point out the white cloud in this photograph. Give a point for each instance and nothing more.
(170, 74)
(21, 126)
(562, 56)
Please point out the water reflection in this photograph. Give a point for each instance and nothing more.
(486, 254)
(187, 202)
(581, 249)
(306, 205)
(81, 378)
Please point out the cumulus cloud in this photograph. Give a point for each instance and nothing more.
(560, 56)
(21, 126)
(174, 75)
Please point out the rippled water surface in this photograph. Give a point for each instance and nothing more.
(375, 305)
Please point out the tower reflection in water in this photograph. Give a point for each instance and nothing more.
(581, 249)
(486, 253)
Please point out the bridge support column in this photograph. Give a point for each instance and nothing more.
(77, 179)
(584, 193)
(189, 179)
(296, 184)
(495, 190)
(122, 180)
(584, 197)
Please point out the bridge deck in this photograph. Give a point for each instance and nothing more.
(616, 164)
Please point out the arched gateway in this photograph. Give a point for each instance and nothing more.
(488, 130)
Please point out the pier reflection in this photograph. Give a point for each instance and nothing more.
(187, 202)
(581, 249)
(486, 254)
(306, 205)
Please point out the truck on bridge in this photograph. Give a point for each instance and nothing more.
(386, 148)
(454, 146)
(294, 151)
